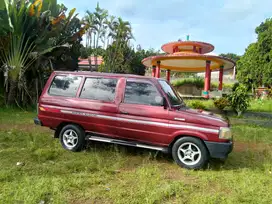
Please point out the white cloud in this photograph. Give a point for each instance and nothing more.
(228, 24)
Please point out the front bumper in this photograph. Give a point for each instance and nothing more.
(37, 121)
(219, 150)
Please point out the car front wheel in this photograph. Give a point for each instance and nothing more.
(190, 153)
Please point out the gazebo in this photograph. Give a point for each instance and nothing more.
(190, 56)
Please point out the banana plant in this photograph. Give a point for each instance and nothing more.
(37, 28)
(5, 22)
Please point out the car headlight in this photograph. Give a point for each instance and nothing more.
(225, 133)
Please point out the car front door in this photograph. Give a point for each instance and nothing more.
(142, 116)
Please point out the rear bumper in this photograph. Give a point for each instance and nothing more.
(219, 150)
(37, 121)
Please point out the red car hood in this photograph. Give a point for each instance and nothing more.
(203, 117)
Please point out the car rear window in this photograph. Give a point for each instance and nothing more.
(65, 85)
(99, 89)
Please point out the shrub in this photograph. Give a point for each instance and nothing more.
(221, 103)
(235, 86)
(239, 99)
(197, 81)
(198, 105)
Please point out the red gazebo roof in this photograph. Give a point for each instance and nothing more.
(187, 46)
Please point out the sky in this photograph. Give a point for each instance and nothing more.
(227, 24)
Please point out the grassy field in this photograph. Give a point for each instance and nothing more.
(261, 105)
(115, 174)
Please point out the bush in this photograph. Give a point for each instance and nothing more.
(197, 81)
(221, 103)
(239, 99)
(234, 87)
(198, 105)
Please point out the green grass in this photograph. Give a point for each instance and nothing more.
(115, 174)
(261, 105)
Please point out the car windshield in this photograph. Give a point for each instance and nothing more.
(171, 93)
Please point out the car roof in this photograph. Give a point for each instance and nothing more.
(88, 73)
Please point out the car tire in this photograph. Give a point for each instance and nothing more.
(190, 153)
(72, 137)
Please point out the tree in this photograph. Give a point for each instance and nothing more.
(136, 66)
(231, 56)
(41, 32)
(255, 66)
(118, 55)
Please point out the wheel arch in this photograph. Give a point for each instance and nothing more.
(63, 124)
(199, 136)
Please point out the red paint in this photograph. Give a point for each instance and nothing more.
(153, 71)
(168, 72)
(200, 50)
(194, 49)
(175, 49)
(207, 78)
(161, 126)
(158, 70)
(221, 72)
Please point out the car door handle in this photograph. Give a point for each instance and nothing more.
(124, 112)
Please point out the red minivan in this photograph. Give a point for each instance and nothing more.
(131, 110)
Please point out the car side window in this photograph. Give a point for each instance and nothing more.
(65, 85)
(142, 93)
(99, 89)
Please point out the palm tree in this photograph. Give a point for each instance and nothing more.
(89, 19)
(111, 21)
(116, 54)
(121, 31)
(100, 22)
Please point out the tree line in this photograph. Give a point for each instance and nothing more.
(40, 36)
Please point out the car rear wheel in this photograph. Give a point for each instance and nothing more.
(72, 137)
(190, 153)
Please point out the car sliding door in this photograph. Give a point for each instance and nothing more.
(97, 105)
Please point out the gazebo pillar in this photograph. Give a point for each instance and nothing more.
(207, 79)
(158, 69)
(221, 72)
(153, 71)
(200, 50)
(168, 75)
(194, 49)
